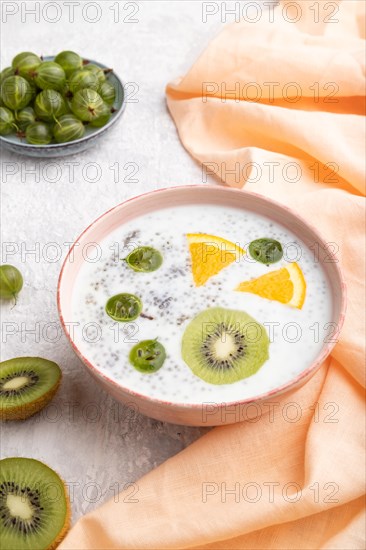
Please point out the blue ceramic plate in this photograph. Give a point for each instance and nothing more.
(91, 137)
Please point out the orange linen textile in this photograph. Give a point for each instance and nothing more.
(295, 468)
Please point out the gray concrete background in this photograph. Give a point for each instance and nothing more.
(96, 445)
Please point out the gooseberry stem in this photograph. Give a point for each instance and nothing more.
(15, 296)
(16, 114)
(146, 316)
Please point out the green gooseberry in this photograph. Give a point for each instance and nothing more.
(49, 105)
(266, 251)
(69, 61)
(147, 356)
(123, 307)
(33, 88)
(25, 116)
(98, 71)
(38, 133)
(107, 92)
(26, 63)
(66, 92)
(7, 122)
(68, 105)
(68, 128)
(50, 76)
(11, 282)
(103, 118)
(144, 259)
(87, 105)
(83, 79)
(16, 92)
(8, 71)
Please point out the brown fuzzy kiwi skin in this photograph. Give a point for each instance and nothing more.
(62, 534)
(24, 411)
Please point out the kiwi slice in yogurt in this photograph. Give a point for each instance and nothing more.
(27, 384)
(223, 346)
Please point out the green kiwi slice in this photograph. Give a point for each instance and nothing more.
(34, 506)
(27, 384)
(222, 346)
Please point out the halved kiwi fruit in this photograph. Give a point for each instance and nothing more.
(34, 506)
(222, 346)
(27, 384)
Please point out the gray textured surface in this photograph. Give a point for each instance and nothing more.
(95, 445)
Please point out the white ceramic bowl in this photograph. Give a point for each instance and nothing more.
(205, 414)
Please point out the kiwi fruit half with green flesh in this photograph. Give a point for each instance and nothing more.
(27, 384)
(222, 346)
(34, 506)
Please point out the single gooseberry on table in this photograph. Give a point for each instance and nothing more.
(11, 282)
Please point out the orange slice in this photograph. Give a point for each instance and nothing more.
(286, 285)
(210, 254)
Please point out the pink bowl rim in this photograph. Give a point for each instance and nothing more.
(325, 352)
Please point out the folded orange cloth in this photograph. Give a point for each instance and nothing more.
(273, 483)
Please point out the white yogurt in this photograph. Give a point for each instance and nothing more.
(171, 298)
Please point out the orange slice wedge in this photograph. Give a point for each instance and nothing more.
(210, 254)
(286, 285)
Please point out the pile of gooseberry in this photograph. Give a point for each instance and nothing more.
(46, 101)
